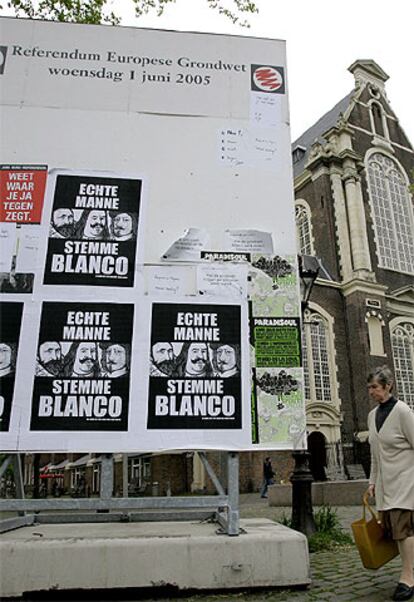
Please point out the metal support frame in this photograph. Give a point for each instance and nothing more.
(125, 492)
(211, 473)
(18, 476)
(6, 463)
(223, 507)
(107, 476)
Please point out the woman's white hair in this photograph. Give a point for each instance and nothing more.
(382, 374)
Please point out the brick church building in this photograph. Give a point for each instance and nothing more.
(354, 212)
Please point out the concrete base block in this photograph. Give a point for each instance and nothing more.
(134, 555)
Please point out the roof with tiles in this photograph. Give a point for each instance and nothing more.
(316, 131)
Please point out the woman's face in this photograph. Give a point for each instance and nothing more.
(379, 392)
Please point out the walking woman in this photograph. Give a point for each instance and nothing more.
(391, 437)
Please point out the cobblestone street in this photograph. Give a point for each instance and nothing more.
(337, 577)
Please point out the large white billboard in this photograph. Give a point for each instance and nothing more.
(148, 277)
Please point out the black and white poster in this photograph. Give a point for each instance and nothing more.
(195, 367)
(93, 231)
(82, 373)
(10, 323)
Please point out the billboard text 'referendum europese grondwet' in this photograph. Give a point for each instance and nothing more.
(148, 279)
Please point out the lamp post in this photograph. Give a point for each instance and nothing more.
(301, 479)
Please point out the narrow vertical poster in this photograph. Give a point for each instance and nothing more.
(22, 191)
(278, 413)
(10, 323)
(82, 375)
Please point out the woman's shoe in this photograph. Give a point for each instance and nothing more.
(403, 592)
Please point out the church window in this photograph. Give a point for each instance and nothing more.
(377, 118)
(402, 339)
(392, 214)
(304, 228)
(317, 357)
(373, 90)
(298, 153)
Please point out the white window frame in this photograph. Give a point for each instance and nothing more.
(140, 470)
(302, 206)
(75, 476)
(405, 389)
(96, 477)
(395, 255)
(316, 312)
(376, 102)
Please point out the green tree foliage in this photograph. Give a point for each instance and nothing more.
(100, 11)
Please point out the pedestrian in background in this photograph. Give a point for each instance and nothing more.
(391, 437)
(268, 475)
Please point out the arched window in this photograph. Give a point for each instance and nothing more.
(378, 123)
(402, 339)
(304, 228)
(392, 214)
(317, 357)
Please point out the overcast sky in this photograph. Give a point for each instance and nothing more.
(323, 39)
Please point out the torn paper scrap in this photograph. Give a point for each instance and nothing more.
(227, 280)
(233, 146)
(170, 280)
(7, 245)
(188, 247)
(28, 249)
(240, 147)
(249, 241)
(265, 109)
(263, 149)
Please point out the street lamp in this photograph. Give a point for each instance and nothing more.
(308, 272)
(301, 479)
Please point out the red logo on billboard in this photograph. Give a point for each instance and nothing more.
(267, 79)
(22, 190)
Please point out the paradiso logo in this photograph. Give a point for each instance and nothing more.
(3, 52)
(267, 78)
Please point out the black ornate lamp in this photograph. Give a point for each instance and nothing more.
(301, 479)
(308, 272)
